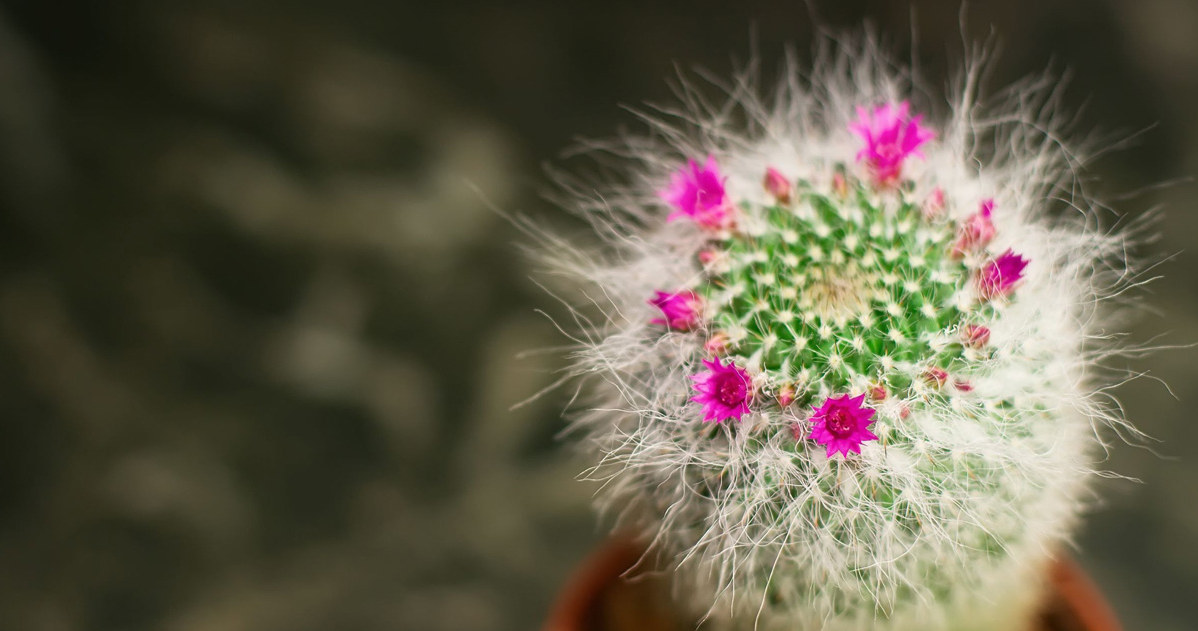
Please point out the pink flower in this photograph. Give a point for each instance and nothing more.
(998, 277)
(976, 335)
(681, 309)
(890, 135)
(977, 231)
(724, 391)
(697, 192)
(841, 424)
(777, 185)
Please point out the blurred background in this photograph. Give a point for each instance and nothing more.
(260, 331)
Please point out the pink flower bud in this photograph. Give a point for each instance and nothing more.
(777, 185)
(935, 376)
(786, 395)
(963, 385)
(796, 430)
(717, 344)
(976, 335)
(977, 231)
(714, 260)
(933, 206)
(840, 185)
(877, 393)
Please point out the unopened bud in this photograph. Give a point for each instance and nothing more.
(976, 335)
(717, 344)
(840, 185)
(796, 431)
(786, 395)
(933, 206)
(777, 185)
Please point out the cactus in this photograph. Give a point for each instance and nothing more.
(845, 358)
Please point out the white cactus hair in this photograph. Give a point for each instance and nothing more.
(733, 512)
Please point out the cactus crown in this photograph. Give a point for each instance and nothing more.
(835, 290)
(844, 358)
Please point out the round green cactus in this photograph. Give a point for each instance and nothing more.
(844, 358)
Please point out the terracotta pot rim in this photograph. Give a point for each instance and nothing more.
(1076, 594)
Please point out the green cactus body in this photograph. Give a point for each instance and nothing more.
(831, 293)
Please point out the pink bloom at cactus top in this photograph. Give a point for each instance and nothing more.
(724, 391)
(681, 309)
(977, 230)
(890, 135)
(998, 277)
(697, 192)
(841, 424)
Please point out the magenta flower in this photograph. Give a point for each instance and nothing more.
(724, 391)
(681, 309)
(841, 424)
(977, 231)
(998, 277)
(890, 135)
(777, 185)
(698, 194)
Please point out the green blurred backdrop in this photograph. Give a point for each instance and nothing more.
(260, 331)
